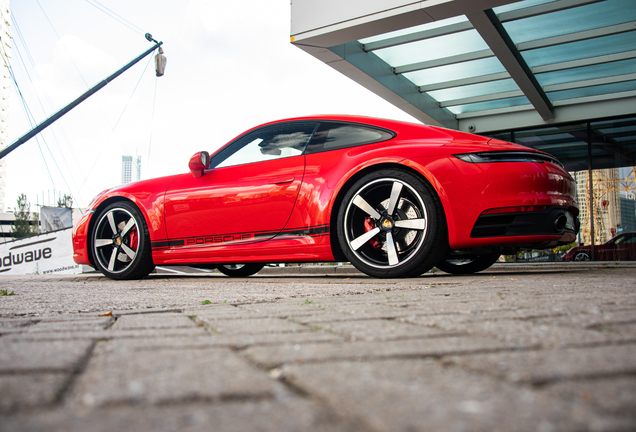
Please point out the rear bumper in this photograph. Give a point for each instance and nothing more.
(553, 220)
(472, 194)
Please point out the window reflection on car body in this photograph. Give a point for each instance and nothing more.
(267, 143)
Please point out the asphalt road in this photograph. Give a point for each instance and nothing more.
(521, 347)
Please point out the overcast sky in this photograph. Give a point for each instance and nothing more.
(230, 67)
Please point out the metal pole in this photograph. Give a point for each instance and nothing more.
(591, 189)
(46, 123)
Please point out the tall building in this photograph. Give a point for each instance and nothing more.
(628, 214)
(130, 167)
(607, 204)
(138, 168)
(5, 84)
(126, 169)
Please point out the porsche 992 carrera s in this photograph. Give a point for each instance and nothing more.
(393, 198)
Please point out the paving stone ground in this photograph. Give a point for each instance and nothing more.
(518, 348)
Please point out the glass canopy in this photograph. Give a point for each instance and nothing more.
(571, 52)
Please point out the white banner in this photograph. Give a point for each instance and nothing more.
(50, 253)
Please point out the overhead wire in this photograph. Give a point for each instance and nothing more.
(152, 121)
(52, 130)
(32, 119)
(60, 39)
(115, 16)
(116, 124)
(29, 114)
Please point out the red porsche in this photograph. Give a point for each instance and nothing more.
(393, 198)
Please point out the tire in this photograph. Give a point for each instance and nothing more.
(120, 243)
(391, 225)
(240, 270)
(468, 264)
(581, 256)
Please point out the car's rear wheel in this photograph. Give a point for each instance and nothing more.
(240, 270)
(582, 256)
(391, 224)
(468, 264)
(121, 243)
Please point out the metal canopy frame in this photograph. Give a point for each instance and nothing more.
(503, 64)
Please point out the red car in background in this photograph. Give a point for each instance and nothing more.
(620, 248)
(393, 198)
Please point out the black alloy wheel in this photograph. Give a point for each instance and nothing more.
(240, 270)
(391, 224)
(467, 264)
(120, 242)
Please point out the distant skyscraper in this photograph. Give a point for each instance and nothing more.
(128, 167)
(6, 44)
(138, 169)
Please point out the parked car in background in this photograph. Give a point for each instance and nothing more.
(393, 198)
(620, 248)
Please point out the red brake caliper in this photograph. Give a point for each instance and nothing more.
(133, 239)
(368, 226)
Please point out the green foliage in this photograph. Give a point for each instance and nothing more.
(6, 293)
(206, 302)
(559, 249)
(564, 248)
(65, 202)
(26, 223)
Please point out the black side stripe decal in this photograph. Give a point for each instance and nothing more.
(316, 231)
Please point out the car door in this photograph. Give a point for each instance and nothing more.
(625, 247)
(247, 194)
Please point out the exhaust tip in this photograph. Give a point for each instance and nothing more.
(559, 223)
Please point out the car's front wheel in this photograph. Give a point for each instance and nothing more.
(121, 243)
(240, 270)
(468, 264)
(582, 256)
(391, 224)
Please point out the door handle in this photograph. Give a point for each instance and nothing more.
(282, 180)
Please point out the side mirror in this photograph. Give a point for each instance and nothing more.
(199, 162)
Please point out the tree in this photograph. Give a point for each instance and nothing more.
(26, 223)
(65, 202)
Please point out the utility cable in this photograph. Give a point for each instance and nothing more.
(63, 46)
(28, 113)
(152, 121)
(115, 16)
(32, 119)
(116, 124)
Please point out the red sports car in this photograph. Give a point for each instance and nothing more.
(393, 198)
(620, 248)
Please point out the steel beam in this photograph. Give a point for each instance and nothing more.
(465, 25)
(460, 58)
(494, 34)
(464, 82)
(608, 58)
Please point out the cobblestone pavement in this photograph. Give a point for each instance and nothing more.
(523, 348)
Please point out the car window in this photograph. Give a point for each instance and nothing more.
(334, 135)
(629, 238)
(272, 142)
